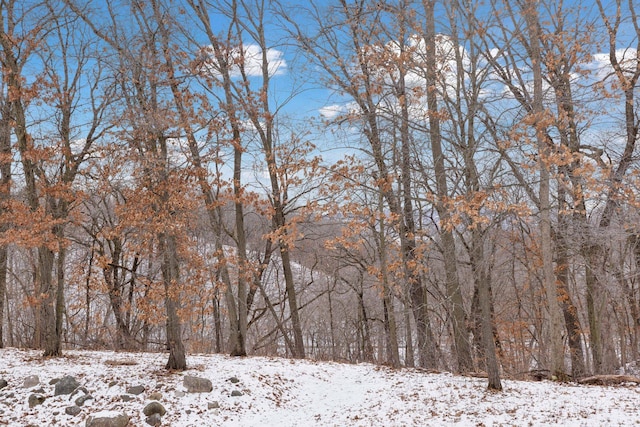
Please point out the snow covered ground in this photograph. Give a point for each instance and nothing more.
(281, 392)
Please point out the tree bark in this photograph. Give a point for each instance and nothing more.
(5, 194)
(454, 294)
(482, 278)
(549, 280)
(390, 327)
(171, 279)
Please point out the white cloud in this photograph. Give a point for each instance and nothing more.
(340, 111)
(627, 58)
(251, 59)
(332, 111)
(77, 145)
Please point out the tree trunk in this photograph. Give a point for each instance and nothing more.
(569, 310)
(241, 240)
(217, 322)
(5, 194)
(554, 325)
(50, 339)
(484, 301)
(171, 277)
(593, 316)
(60, 299)
(627, 81)
(426, 348)
(559, 72)
(391, 330)
(454, 294)
(3, 289)
(293, 303)
(363, 320)
(409, 358)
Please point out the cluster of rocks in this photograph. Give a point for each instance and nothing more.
(153, 411)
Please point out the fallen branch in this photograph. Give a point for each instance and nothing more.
(609, 380)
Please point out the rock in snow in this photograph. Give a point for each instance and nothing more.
(66, 385)
(155, 396)
(72, 410)
(107, 419)
(154, 420)
(197, 384)
(35, 400)
(31, 381)
(136, 390)
(154, 408)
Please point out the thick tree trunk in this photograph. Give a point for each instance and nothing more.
(627, 81)
(50, 340)
(217, 322)
(60, 298)
(110, 273)
(426, 349)
(293, 302)
(241, 240)
(454, 294)
(560, 80)
(554, 324)
(171, 277)
(390, 327)
(570, 312)
(3, 289)
(366, 347)
(426, 340)
(593, 315)
(482, 278)
(391, 330)
(409, 358)
(5, 194)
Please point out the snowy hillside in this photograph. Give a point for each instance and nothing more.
(281, 392)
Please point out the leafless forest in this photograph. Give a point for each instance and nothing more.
(444, 184)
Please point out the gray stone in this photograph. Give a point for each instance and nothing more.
(80, 400)
(31, 381)
(72, 410)
(3, 383)
(136, 390)
(197, 385)
(180, 393)
(66, 385)
(155, 396)
(154, 420)
(35, 400)
(236, 393)
(121, 420)
(154, 408)
(234, 380)
(213, 405)
(126, 397)
(112, 383)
